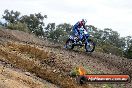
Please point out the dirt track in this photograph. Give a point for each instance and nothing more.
(15, 78)
(52, 63)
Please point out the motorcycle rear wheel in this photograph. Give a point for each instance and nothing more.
(69, 44)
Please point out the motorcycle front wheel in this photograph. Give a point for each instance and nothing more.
(90, 46)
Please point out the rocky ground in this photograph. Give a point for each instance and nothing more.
(29, 62)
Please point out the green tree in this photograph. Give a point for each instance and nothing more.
(65, 27)
(55, 35)
(113, 37)
(128, 52)
(49, 28)
(11, 16)
(92, 30)
(128, 48)
(128, 41)
(59, 33)
(34, 22)
(1, 23)
(121, 43)
(108, 41)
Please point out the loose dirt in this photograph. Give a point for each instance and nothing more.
(30, 62)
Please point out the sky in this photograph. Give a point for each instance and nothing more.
(114, 14)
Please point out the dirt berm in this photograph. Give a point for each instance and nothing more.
(48, 65)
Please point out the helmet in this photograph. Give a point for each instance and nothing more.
(84, 21)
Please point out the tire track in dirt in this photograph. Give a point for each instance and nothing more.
(58, 78)
(81, 58)
(123, 65)
(15, 78)
(110, 63)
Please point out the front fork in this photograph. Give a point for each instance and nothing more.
(86, 42)
(86, 38)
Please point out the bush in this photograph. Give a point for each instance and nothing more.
(18, 26)
(2, 27)
(107, 48)
(128, 52)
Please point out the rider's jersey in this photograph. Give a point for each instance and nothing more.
(79, 25)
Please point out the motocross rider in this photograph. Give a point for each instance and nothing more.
(76, 29)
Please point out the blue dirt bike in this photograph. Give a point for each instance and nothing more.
(84, 40)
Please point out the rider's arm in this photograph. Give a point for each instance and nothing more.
(85, 27)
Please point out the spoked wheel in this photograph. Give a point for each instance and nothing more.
(69, 44)
(90, 46)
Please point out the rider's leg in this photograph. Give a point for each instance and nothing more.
(75, 35)
(80, 39)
